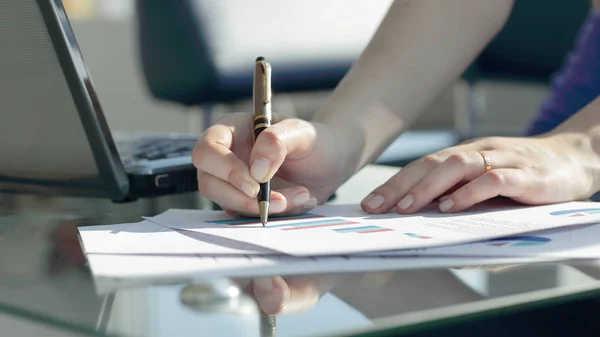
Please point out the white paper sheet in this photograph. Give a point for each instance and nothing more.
(575, 242)
(116, 271)
(147, 237)
(346, 229)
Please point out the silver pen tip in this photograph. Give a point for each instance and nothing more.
(264, 212)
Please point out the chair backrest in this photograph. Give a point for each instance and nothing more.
(175, 57)
(202, 51)
(534, 43)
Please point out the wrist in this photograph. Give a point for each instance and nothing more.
(345, 145)
(593, 142)
(583, 148)
(360, 131)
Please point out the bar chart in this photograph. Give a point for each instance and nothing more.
(307, 221)
(312, 224)
(362, 229)
(255, 221)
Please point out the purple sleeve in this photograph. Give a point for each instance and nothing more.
(578, 81)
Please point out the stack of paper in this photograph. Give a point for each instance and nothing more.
(190, 244)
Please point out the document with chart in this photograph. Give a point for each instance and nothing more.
(198, 244)
(346, 229)
(574, 242)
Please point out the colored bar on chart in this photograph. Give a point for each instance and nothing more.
(527, 243)
(362, 229)
(519, 241)
(578, 212)
(253, 221)
(417, 236)
(313, 224)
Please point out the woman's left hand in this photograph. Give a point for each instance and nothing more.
(536, 170)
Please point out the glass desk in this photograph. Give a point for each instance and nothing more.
(45, 286)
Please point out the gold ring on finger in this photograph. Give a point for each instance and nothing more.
(486, 161)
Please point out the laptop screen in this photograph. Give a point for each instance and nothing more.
(44, 146)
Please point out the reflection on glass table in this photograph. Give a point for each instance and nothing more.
(334, 305)
(44, 281)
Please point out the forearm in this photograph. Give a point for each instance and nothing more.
(586, 121)
(420, 48)
(582, 133)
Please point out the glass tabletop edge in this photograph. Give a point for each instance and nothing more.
(421, 321)
(25, 314)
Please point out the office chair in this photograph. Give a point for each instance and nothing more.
(197, 52)
(201, 53)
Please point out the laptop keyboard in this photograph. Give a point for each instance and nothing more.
(152, 148)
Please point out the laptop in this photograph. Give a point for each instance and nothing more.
(54, 139)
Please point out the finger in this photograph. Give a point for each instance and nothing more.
(271, 293)
(299, 198)
(212, 155)
(457, 168)
(498, 182)
(289, 139)
(228, 211)
(228, 197)
(298, 201)
(289, 200)
(451, 190)
(277, 296)
(386, 196)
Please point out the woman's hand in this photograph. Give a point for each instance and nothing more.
(540, 170)
(302, 159)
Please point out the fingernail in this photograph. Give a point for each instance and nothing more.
(249, 188)
(446, 205)
(260, 168)
(406, 201)
(312, 202)
(263, 283)
(277, 206)
(301, 199)
(444, 197)
(367, 199)
(375, 202)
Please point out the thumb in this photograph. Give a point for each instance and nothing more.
(289, 139)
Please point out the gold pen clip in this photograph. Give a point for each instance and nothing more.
(265, 73)
(262, 93)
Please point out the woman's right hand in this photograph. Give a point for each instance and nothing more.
(279, 295)
(302, 160)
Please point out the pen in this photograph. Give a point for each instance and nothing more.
(268, 325)
(262, 120)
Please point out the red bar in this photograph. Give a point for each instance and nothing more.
(322, 225)
(376, 231)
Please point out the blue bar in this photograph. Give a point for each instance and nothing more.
(357, 229)
(311, 223)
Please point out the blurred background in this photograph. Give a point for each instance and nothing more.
(164, 67)
(107, 32)
(137, 72)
